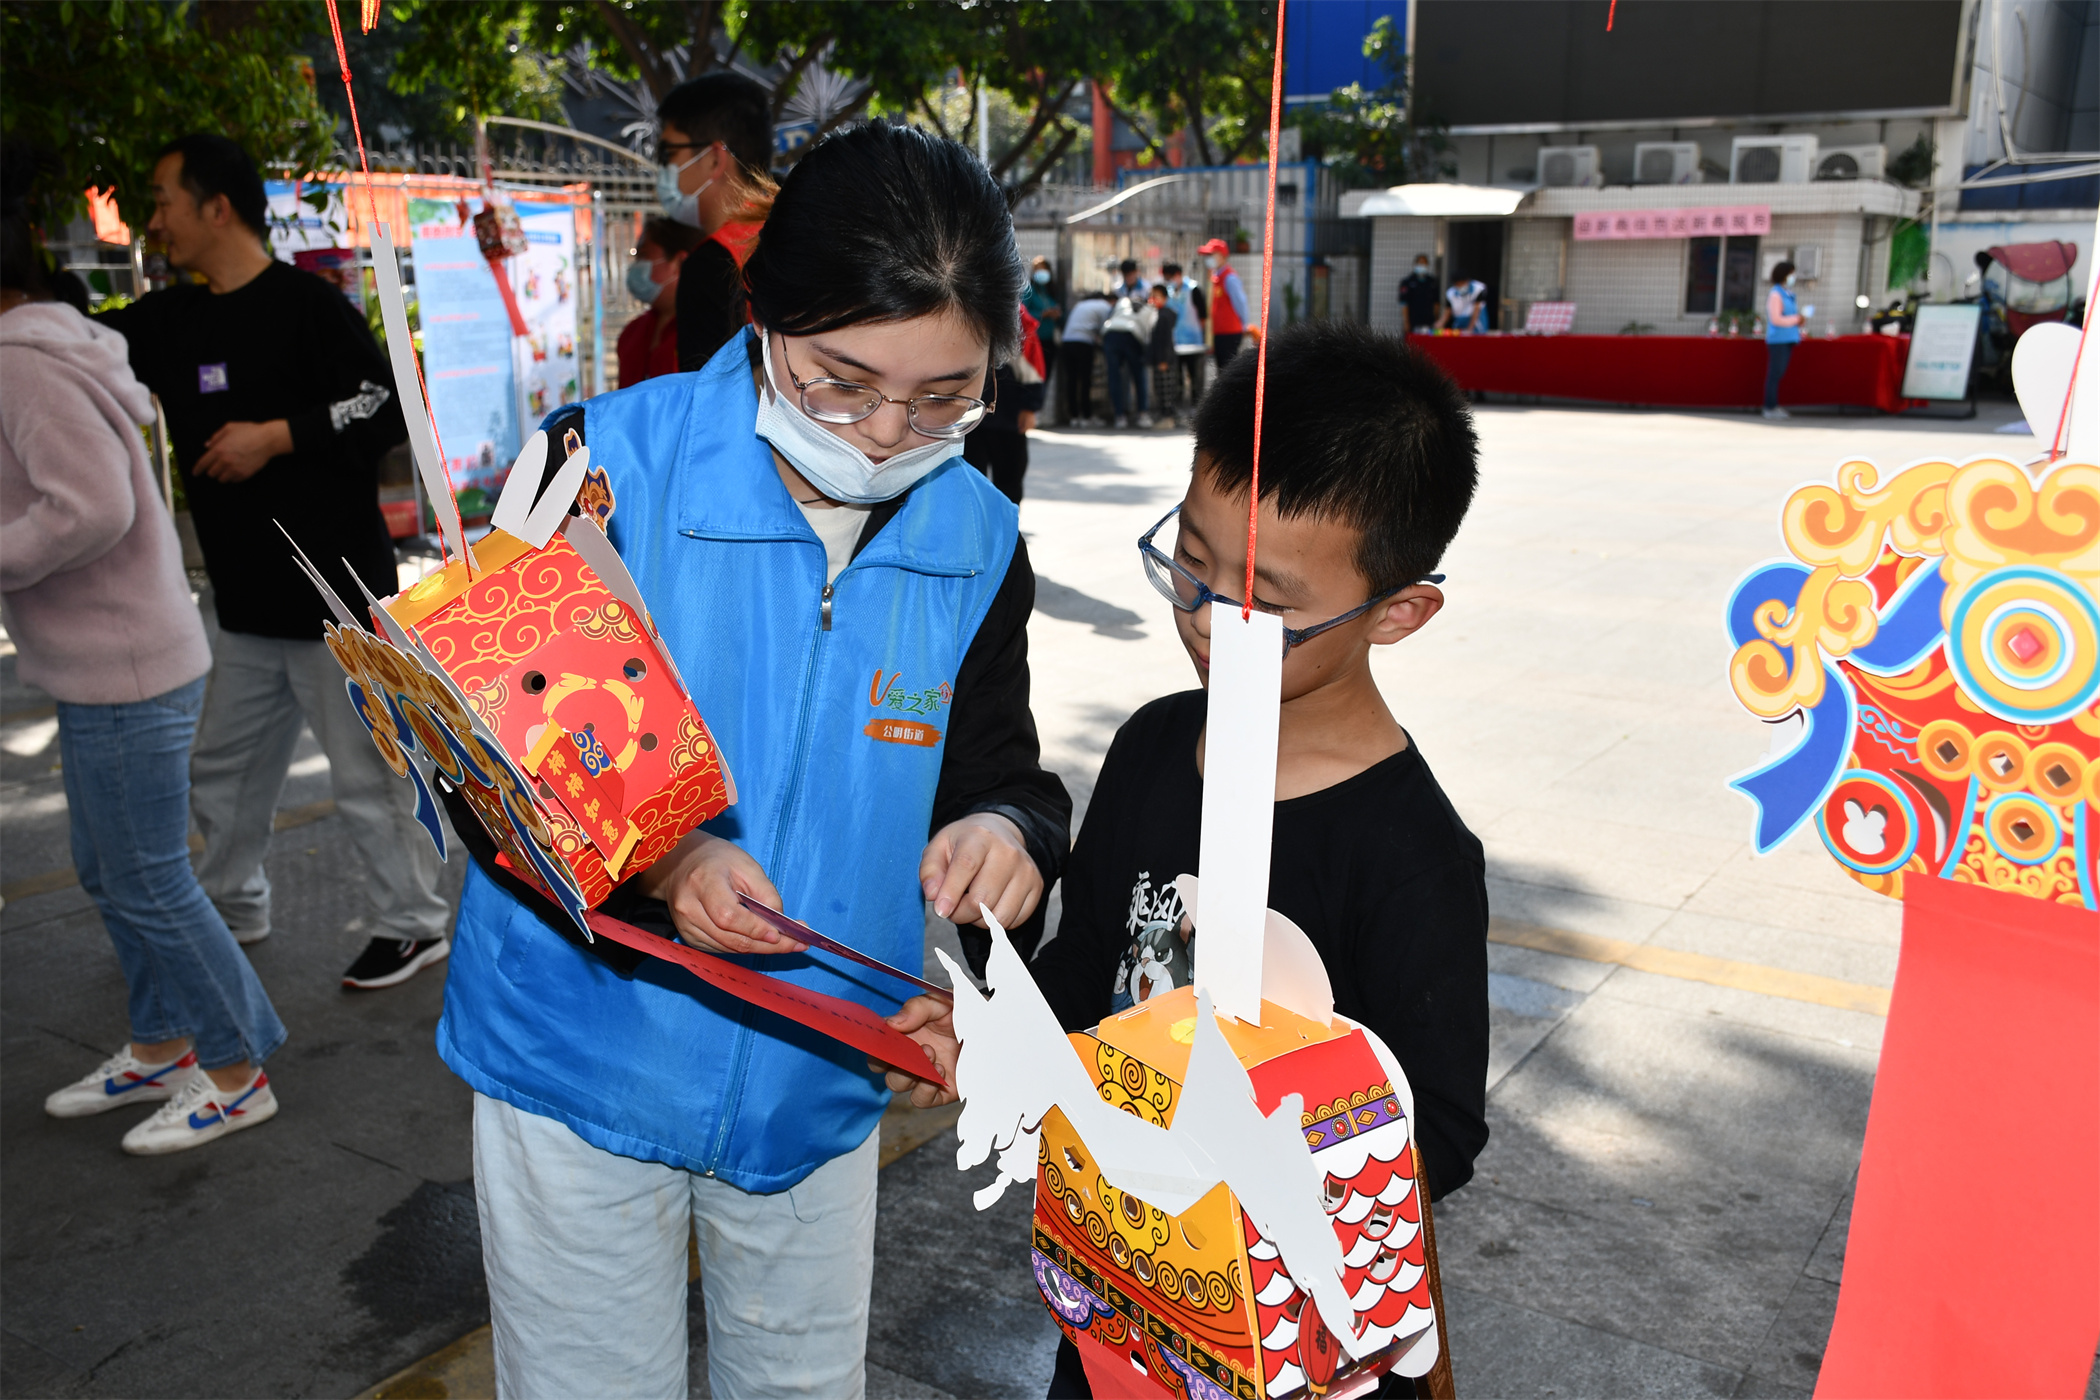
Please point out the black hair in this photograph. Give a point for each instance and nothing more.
(885, 223)
(21, 261)
(726, 107)
(1127, 265)
(670, 236)
(1782, 270)
(22, 266)
(1357, 428)
(1170, 269)
(214, 165)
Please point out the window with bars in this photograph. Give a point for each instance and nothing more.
(1720, 275)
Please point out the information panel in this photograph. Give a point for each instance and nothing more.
(1942, 345)
(466, 351)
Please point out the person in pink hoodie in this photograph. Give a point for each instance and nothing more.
(95, 600)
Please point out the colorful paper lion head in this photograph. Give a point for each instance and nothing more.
(1938, 636)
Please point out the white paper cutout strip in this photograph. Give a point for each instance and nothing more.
(1239, 805)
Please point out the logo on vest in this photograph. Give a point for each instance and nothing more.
(901, 711)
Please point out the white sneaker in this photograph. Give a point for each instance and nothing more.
(1776, 414)
(1121, 421)
(122, 1079)
(201, 1112)
(1144, 420)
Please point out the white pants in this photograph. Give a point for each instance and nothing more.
(261, 687)
(585, 1253)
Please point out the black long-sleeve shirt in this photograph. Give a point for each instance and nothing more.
(286, 345)
(991, 760)
(1378, 870)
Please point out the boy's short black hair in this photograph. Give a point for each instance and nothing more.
(1170, 269)
(1357, 428)
(213, 165)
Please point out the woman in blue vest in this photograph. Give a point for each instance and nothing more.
(847, 600)
(1783, 321)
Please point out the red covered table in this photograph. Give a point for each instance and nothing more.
(1690, 371)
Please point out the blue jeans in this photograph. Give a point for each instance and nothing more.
(1777, 353)
(1126, 356)
(127, 775)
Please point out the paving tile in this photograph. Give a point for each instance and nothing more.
(1828, 1262)
(1840, 909)
(1499, 1349)
(1792, 1352)
(1676, 1086)
(1855, 1035)
(1742, 940)
(1556, 897)
(1569, 974)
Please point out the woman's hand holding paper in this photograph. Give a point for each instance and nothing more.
(700, 881)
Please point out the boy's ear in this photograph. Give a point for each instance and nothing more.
(1406, 612)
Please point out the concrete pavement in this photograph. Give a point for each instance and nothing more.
(1660, 1211)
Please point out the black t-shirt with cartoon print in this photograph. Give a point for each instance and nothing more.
(1378, 870)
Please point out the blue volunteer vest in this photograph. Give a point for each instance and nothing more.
(835, 740)
(1784, 335)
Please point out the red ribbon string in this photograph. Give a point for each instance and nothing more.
(1610, 15)
(370, 10)
(1268, 285)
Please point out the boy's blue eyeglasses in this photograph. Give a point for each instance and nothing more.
(1188, 593)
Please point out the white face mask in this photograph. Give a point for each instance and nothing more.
(829, 462)
(679, 206)
(1790, 279)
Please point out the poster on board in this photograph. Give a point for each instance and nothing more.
(309, 229)
(466, 351)
(1942, 345)
(544, 277)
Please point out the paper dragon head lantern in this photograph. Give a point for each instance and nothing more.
(1228, 1200)
(527, 672)
(1935, 636)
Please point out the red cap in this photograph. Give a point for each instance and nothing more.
(1216, 245)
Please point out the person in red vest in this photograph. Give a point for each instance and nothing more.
(1229, 320)
(649, 343)
(713, 149)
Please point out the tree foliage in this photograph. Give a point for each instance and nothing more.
(100, 85)
(1364, 134)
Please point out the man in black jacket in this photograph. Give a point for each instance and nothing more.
(715, 145)
(279, 408)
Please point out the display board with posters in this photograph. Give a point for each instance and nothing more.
(544, 277)
(487, 388)
(466, 350)
(310, 228)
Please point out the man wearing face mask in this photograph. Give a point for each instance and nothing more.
(1418, 297)
(715, 142)
(649, 343)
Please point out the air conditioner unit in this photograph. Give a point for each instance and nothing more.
(1569, 167)
(1666, 163)
(1772, 160)
(1852, 163)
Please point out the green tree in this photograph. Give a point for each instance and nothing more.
(100, 85)
(1365, 134)
(442, 65)
(1197, 66)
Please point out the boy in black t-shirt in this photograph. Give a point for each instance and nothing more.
(1367, 470)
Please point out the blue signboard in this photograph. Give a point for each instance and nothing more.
(1323, 46)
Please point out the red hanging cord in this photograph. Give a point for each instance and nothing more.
(342, 59)
(1268, 284)
(2063, 416)
(1610, 15)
